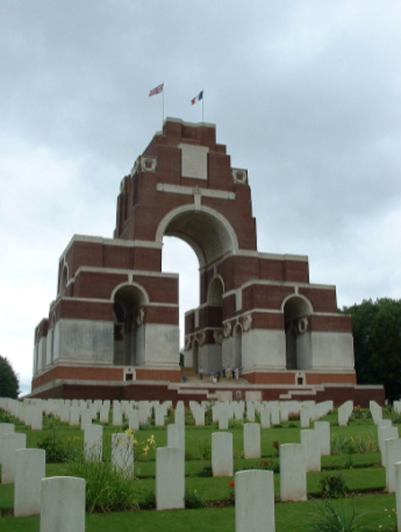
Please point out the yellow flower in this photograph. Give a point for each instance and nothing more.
(129, 431)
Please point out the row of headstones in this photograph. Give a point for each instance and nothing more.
(389, 444)
(80, 412)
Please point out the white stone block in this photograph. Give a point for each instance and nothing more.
(252, 448)
(93, 443)
(393, 455)
(5, 428)
(170, 478)
(222, 454)
(311, 444)
(122, 453)
(265, 418)
(292, 473)
(176, 436)
(133, 420)
(323, 429)
(397, 467)
(386, 433)
(30, 468)
(63, 504)
(11, 442)
(254, 501)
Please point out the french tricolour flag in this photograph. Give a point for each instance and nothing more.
(197, 98)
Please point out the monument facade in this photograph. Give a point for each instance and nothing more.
(115, 318)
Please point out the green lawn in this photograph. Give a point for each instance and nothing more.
(364, 477)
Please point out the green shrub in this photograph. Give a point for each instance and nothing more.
(333, 486)
(107, 488)
(269, 465)
(148, 502)
(205, 450)
(327, 519)
(193, 500)
(206, 471)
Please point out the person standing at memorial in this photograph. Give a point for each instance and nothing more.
(201, 373)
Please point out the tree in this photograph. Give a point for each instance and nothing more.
(9, 385)
(377, 343)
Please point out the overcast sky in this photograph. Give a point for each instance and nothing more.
(305, 94)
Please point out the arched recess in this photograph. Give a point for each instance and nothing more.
(237, 347)
(129, 339)
(209, 233)
(64, 280)
(296, 310)
(195, 356)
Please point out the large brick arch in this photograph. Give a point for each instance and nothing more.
(183, 185)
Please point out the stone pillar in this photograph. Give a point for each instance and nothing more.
(252, 440)
(254, 501)
(122, 453)
(222, 454)
(292, 473)
(11, 442)
(170, 478)
(93, 443)
(30, 468)
(63, 504)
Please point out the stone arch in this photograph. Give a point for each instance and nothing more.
(129, 300)
(297, 309)
(215, 291)
(208, 232)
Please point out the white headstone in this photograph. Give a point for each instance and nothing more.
(254, 501)
(310, 441)
(222, 454)
(122, 453)
(393, 455)
(11, 442)
(252, 447)
(63, 504)
(5, 428)
(292, 472)
(93, 443)
(30, 468)
(170, 478)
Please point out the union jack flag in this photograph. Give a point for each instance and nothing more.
(156, 90)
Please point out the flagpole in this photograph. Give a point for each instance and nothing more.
(163, 107)
(203, 104)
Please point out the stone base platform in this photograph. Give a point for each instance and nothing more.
(195, 389)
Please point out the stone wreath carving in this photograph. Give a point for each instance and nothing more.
(302, 325)
(240, 176)
(218, 337)
(148, 164)
(247, 322)
(201, 338)
(227, 330)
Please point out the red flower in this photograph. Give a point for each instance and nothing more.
(231, 484)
